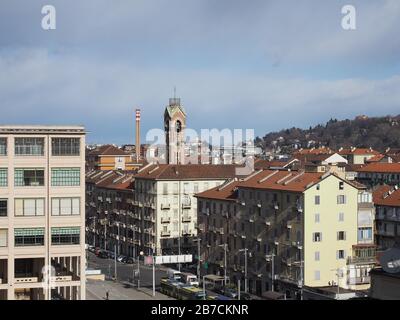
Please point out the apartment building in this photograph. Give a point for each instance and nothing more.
(358, 155)
(111, 221)
(164, 198)
(42, 212)
(387, 219)
(302, 229)
(376, 173)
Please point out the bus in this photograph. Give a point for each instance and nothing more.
(170, 287)
(190, 293)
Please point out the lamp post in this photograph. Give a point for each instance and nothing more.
(138, 266)
(245, 250)
(198, 240)
(225, 246)
(271, 258)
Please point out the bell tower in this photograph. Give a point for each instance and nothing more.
(174, 126)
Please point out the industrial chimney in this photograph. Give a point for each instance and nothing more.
(138, 149)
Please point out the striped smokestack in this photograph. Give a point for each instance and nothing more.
(138, 135)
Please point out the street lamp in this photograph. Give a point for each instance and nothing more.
(225, 246)
(94, 227)
(198, 240)
(271, 259)
(245, 250)
(138, 265)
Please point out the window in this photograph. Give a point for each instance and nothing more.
(186, 188)
(61, 177)
(3, 177)
(317, 237)
(341, 216)
(341, 199)
(29, 177)
(65, 206)
(3, 146)
(196, 187)
(175, 188)
(29, 207)
(317, 275)
(65, 236)
(316, 256)
(318, 187)
(316, 218)
(29, 146)
(317, 200)
(341, 235)
(364, 234)
(65, 146)
(3, 238)
(165, 188)
(3, 208)
(29, 237)
(341, 254)
(341, 185)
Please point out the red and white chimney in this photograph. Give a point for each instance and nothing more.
(138, 135)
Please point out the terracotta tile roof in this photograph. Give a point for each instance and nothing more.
(376, 158)
(380, 167)
(266, 164)
(226, 192)
(108, 150)
(296, 181)
(357, 151)
(111, 179)
(321, 150)
(187, 172)
(387, 196)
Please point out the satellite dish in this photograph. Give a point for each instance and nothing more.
(390, 260)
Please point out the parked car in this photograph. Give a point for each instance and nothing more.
(91, 249)
(120, 258)
(129, 261)
(103, 254)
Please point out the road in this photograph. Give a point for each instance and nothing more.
(125, 271)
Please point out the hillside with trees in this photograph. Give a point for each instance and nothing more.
(378, 133)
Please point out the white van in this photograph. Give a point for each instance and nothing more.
(174, 275)
(190, 279)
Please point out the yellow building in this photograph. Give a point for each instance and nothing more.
(302, 229)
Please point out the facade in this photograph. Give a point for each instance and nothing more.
(42, 212)
(111, 223)
(358, 155)
(164, 198)
(297, 227)
(379, 173)
(387, 203)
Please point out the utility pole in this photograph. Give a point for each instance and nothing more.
(154, 274)
(198, 240)
(271, 258)
(115, 262)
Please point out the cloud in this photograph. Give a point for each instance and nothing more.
(261, 64)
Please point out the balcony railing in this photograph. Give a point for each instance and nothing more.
(165, 220)
(165, 206)
(362, 260)
(359, 280)
(165, 233)
(186, 218)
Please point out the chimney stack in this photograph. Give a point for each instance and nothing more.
(138, 148)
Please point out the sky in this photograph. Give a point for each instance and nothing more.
(262, 64)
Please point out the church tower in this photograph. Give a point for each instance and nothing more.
(174, 126)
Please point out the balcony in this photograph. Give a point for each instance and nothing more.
(187, 233)
(186, 219)
(165, 219)
(165, 233)
(165, 206)
(359, 280)
(361, 260)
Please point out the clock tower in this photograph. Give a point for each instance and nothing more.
(174, 126)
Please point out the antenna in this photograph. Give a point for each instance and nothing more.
(174, 92)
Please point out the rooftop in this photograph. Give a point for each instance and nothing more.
(387, 196)
(41, 129)
(380, 167)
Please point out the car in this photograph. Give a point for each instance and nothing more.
(129, 261)
(91, 249)
(120, 258)
(245, 296)
(103, 254)
(111, 255)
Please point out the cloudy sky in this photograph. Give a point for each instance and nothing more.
(256, 64)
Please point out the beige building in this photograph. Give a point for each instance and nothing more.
(164, 199)
(42, 212)
(299, 228)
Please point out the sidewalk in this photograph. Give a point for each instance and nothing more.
(96, 290)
